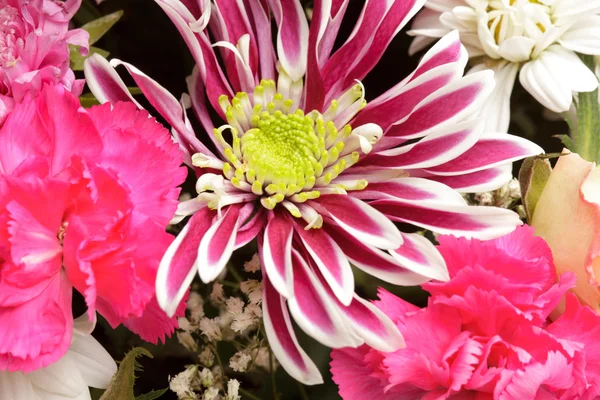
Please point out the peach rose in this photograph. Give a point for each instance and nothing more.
(567, 216)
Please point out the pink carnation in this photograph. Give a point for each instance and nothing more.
(484, 334)
(34, 39)
(84, 201)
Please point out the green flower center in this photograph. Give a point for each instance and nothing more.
(279, 154)
(283, 148)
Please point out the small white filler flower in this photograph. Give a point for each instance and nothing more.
(536, 39)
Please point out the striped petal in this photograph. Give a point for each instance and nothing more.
(490, 151)
(104, 82)
(419, 255)
(411, 189)
(282, 339)
(330, 260)
(252, 225)
(217, 245)
(360, 220)
(178, 267)
(443, 64)
(292, 36)
(372, 325)
(367, 322)
(315, 312)
(480, 181)
(444, 145)
(451, 104)
(468, 221)
(276, 253)
(373, 261)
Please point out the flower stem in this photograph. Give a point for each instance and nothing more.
(587, 136)
(273, 381)
(248, 394)
(303, 394)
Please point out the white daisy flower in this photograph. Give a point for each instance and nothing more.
(534, 39)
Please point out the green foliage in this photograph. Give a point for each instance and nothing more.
(533, 175)
(88, 100)
(587, 135)
(121, 385)
(567, 141)
(155, 394)
(77, 59)
(96, 28)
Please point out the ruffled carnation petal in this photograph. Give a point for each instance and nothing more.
(40, 329)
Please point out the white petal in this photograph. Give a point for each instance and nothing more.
(539, 79)
(583, 36)
(93, 362)
(496, 110)
(15, 386)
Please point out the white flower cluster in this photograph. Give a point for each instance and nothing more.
(225, 318)
(203, 384)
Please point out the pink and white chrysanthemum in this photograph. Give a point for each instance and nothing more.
(303, 164)
(34, 48)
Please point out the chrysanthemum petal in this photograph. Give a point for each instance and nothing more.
(480, 181)
(372, 325)
(276, 253)
(292, 36)
(360, 220)
(490, 151)
(373, 261)
(178, 267)
(217, 245)
(315, 312)
(331, 261)
(469, 221)
(451, 104)
(411, 189)
(282, 339)
(444, 145)
(419, 255)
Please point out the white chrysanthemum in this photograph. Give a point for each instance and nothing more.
(85, 364)
(536, 39)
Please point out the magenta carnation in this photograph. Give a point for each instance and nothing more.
(34, 39)
(84, 201)
(484, 334)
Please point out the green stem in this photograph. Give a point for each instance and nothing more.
(303, 393)
(234, 273)
(587, 137)
(273, 382)
(248, 394)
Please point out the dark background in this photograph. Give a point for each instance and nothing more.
(146, 38)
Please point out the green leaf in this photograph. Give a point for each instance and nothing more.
(98, 27)
(533, 175)
(567, 141)
(134, 90)
(155, 394)
(587, 135)
(77, 59)
(88, 100)
(87, 12)
(121, 385)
